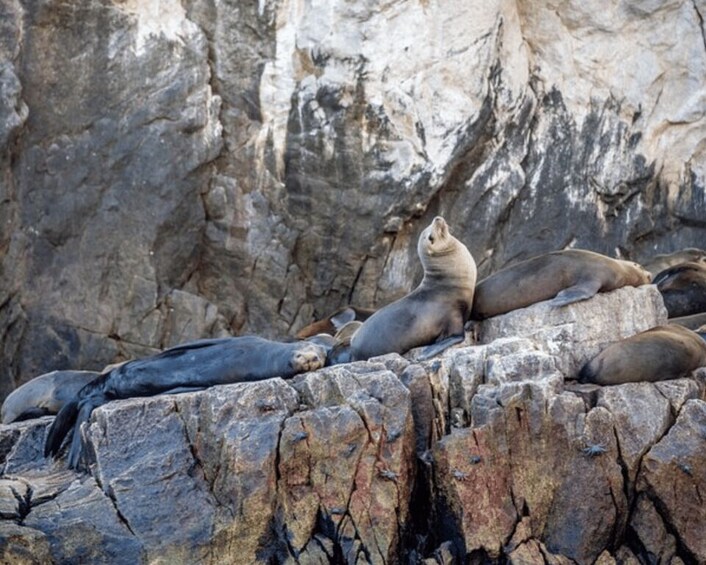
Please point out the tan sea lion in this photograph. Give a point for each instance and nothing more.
(197, 364)
(664, 261)
(683, 288)
(693, 322)
(658, 354)
(44, 395)
(434, 312)
(331, 324)
(564, 276)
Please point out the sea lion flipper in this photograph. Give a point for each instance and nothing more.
(30, 414)
(85, 409)
(429, 351)
(60, 427)
(575, 293)
(340, 319)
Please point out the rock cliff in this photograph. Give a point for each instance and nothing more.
(180, 169)
(489, 452)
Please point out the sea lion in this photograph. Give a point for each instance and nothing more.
(44, 395)
(340, 351)
(199, 364)
(566, 277)
(664, 261)
(693, 322)
(331, 324)
(683, 289)
(659, 354)
(434, 312)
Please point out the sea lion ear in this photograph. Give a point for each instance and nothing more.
(340, 319)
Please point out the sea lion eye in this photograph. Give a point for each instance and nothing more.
(431, 239)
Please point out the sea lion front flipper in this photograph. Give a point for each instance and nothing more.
(340, 319)
(576, 293)
(31, 414)
(183, 389)
(429, 351)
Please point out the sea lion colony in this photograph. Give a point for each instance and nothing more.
(432, 316)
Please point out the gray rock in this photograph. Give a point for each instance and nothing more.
(675, 466)
(577, 332)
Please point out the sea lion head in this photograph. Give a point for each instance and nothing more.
(636, 274)
(436, 240)
(442, 255)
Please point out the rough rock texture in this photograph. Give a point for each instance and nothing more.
(171, 170)
(488, 453)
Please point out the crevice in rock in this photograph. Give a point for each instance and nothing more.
(351, 292)
(701, 22)
(279, 526)
(23, 503)
(682, 551)
(111, 496)
(624, 472)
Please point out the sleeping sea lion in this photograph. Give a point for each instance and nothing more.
(658, 354)
(44, 395)
(664, 261)
(683, 288)
(434, 312)
(331, 324)
(199, 364)
(565, 276)
(693, 322)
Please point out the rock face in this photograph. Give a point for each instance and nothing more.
(490, 452)
(173, 170)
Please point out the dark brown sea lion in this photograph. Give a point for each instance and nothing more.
(331, 324)
(564, 276)
(683, 288)
(198, 364)
(434, 312)
(661, 262)
(658, 354)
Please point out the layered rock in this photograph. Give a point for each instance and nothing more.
(176, 170)
(489, 452)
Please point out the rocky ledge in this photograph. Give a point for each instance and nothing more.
(489, 452)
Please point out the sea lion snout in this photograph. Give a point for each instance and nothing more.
(309, 358)
(439, 226)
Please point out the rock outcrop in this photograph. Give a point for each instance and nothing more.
(173, 170)
(489, 452)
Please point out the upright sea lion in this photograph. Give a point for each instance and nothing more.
(658, 354)
(44, 395)
(434, 312)
(565, 276)
(661, 262)
(683, 288)
(199, 364)
(331, 324)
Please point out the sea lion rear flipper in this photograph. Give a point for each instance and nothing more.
(85, 409)
(60, 427)
(434, 349)
(576, 293)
